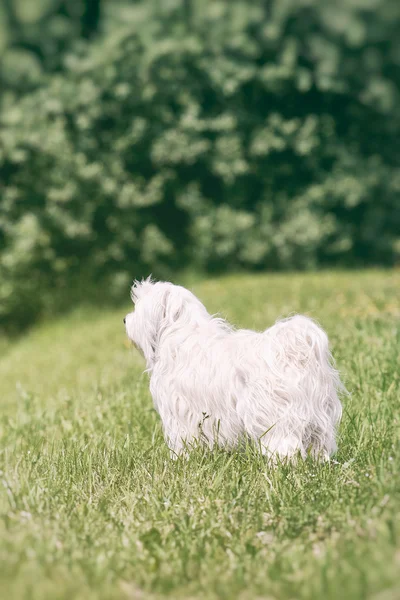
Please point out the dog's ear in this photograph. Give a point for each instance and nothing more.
(174, 307)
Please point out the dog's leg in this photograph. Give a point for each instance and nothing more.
(178, 439)
(185, 432)
(281, 443)
(322, 444)
(284, 446)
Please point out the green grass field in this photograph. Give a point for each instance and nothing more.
(93, 508)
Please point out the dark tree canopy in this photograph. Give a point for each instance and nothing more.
(215, 136)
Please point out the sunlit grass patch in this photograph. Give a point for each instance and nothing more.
(92, 506)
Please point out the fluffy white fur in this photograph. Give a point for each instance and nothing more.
(213, 383)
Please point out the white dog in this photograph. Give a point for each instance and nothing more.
(213, 383)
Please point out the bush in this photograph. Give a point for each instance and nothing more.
(35, 36)
(242, 136)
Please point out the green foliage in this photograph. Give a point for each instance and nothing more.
(36, 35)
(93, 508)
(217, 135)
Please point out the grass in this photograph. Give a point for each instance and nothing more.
(92, 507)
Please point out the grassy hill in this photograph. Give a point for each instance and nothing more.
(92, 507)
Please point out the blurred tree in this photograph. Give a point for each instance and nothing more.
(264, 135)
(91, 18)
(188, 11)
(39, 34)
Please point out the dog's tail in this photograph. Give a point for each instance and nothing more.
(307, 385)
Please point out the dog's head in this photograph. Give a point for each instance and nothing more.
(160, 308)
